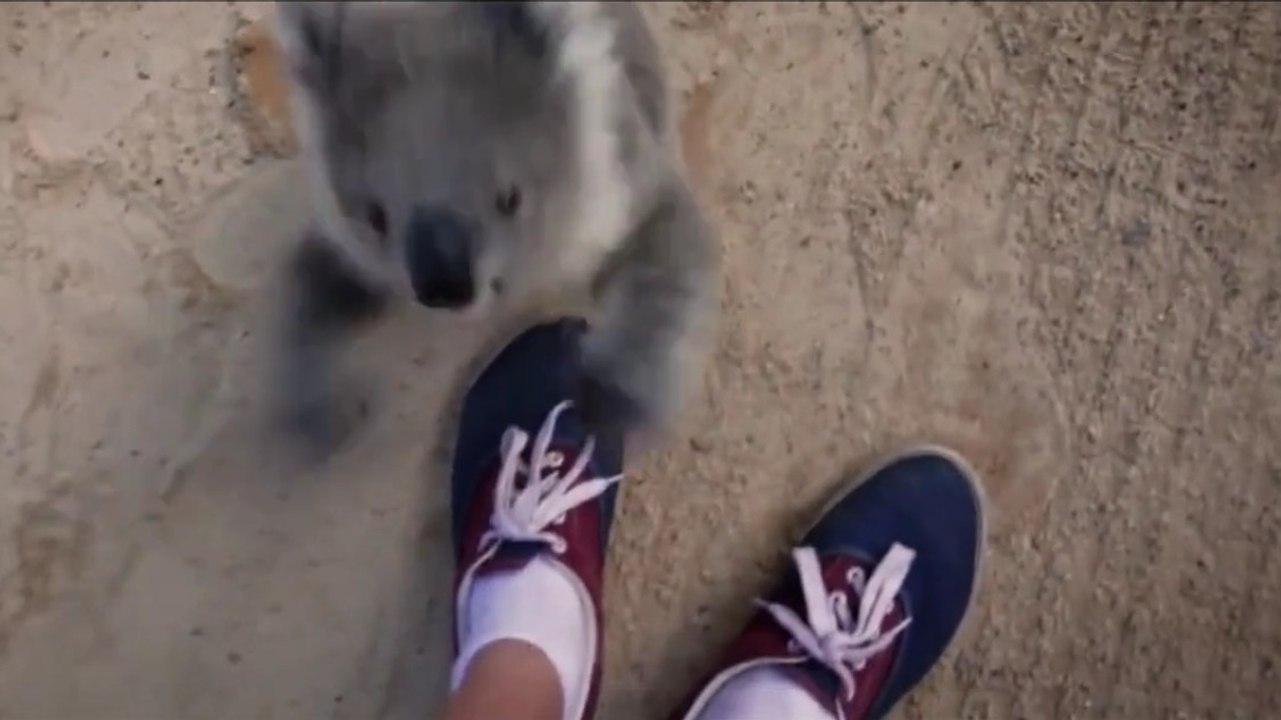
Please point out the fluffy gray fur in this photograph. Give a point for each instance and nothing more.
(458, 105)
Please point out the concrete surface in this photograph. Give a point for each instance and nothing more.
(1047, 234)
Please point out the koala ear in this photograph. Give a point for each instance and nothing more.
(520, 25)
(310, 39)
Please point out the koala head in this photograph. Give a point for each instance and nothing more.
(460, 144)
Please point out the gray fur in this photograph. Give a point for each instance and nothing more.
(411, 105)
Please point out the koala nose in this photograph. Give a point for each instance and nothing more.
(438, 253)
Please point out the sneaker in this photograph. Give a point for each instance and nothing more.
(529, 482)
(881, 584)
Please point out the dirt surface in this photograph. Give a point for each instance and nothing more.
(1048, 235)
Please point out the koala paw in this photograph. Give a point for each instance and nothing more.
(610, 405)
(607, 408)
(320, 424)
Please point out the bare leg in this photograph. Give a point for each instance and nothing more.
(509, 680)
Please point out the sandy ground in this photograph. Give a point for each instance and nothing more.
(1048, 235)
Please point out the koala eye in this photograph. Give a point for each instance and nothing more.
(376, 216)
(508, 201)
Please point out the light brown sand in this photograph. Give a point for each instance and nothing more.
(1048, 235)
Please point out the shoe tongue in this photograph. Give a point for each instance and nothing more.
(513, 556)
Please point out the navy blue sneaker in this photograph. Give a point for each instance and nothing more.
(882, 583)
(528, 480)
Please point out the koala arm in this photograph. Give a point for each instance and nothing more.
(326, 302)
(656, 302)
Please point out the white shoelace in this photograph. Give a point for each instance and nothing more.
(829, 634)
(524, 512)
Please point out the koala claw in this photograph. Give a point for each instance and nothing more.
(623, 402)
(606, 407)
(321, 425)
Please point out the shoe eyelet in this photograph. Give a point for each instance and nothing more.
(856, 578)
(555, 459)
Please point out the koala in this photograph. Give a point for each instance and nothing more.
(470, 154)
